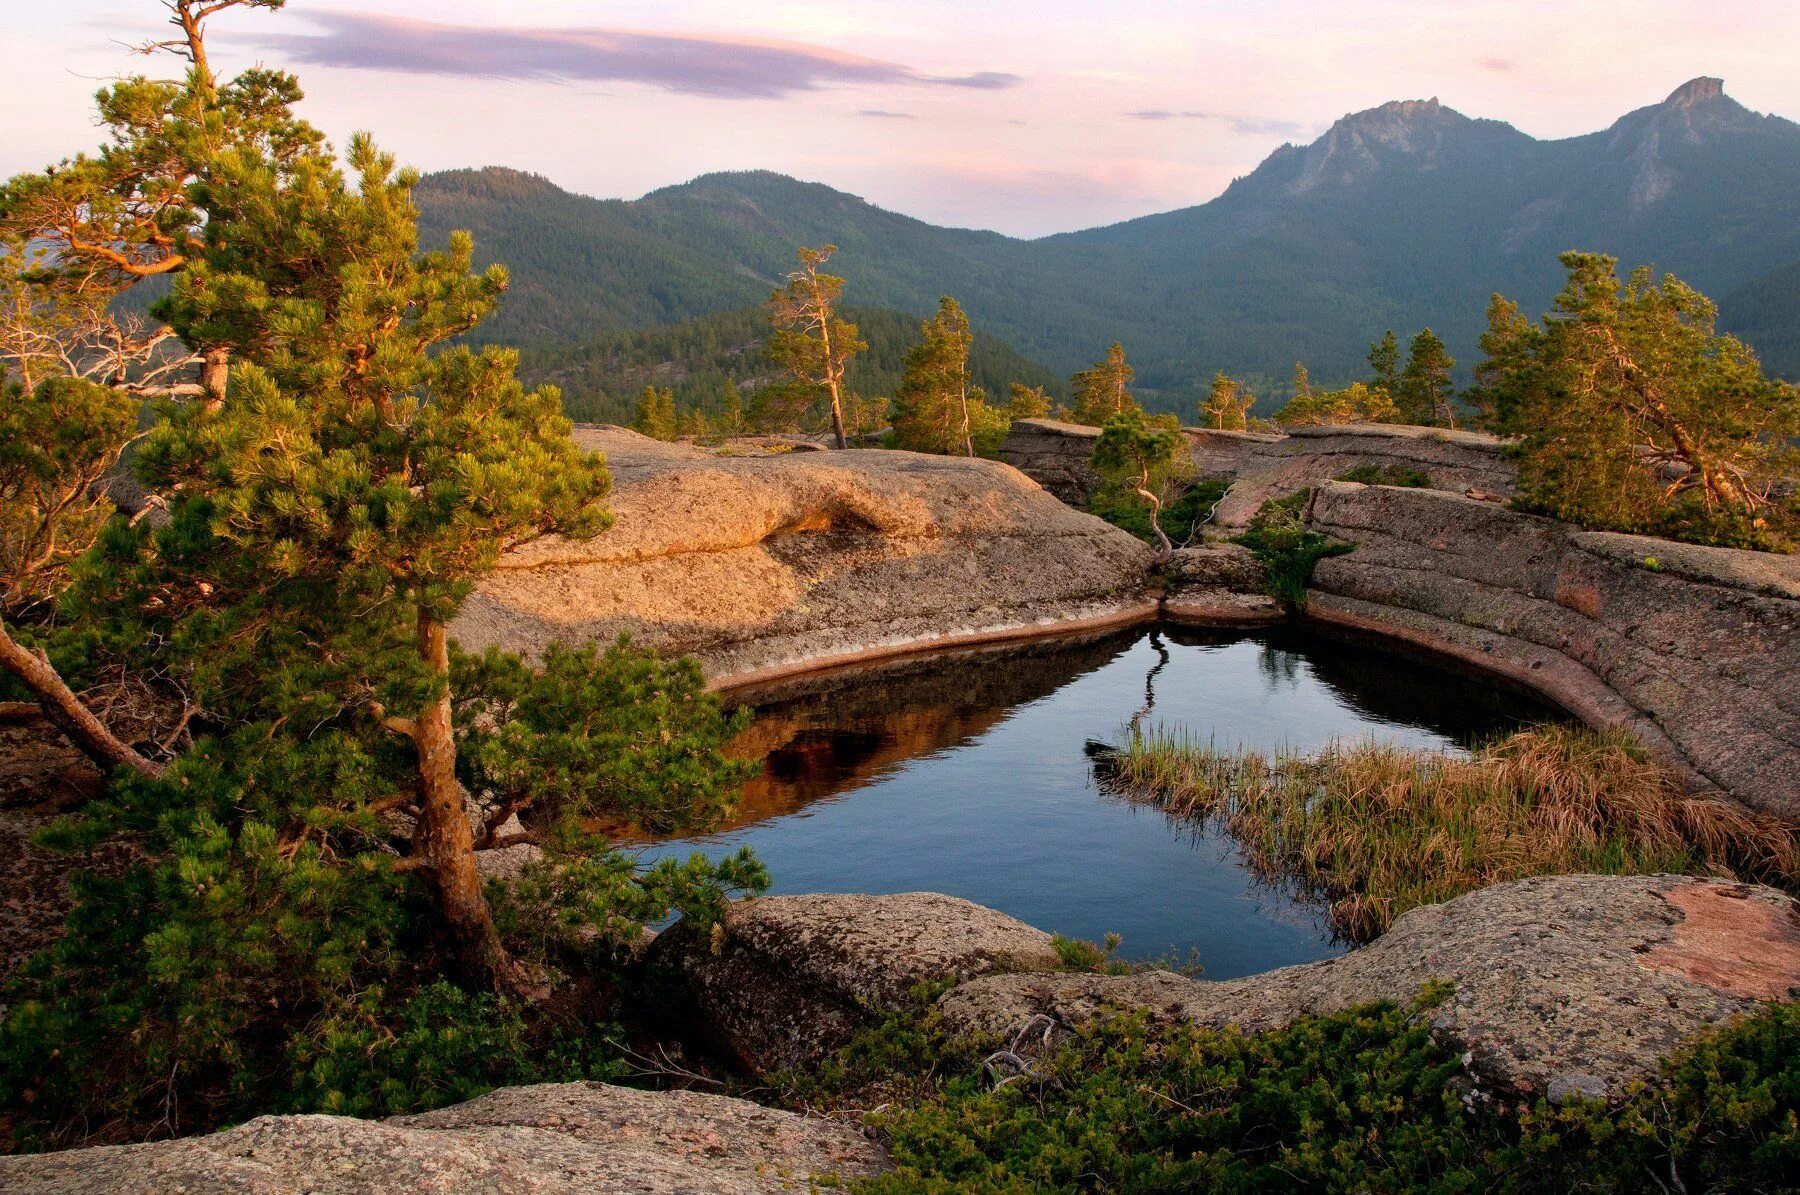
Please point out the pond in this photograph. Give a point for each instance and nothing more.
(969, 773)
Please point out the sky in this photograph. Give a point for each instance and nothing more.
(1025, 116)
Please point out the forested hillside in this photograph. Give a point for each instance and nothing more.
(697, 359)
(1766, 312)
(1403, 216)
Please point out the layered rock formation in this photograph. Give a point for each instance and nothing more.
(1693, 649)
(785, 980)
(763, 564)
(1262, 466)
(1454, 461)
(1217, 585)
(559, 1138)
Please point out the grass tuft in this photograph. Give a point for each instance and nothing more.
(1374, 830)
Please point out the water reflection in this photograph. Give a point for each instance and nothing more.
(966, 773)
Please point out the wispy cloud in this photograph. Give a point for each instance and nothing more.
(1500, 66)
(695, 64)
(1248, 126)
(884, 114)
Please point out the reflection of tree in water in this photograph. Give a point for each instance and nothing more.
(831, 733)
(1162, 652)
(1279, 666)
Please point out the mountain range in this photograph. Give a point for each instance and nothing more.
(1402, 216)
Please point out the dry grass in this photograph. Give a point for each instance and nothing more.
(1376, 830)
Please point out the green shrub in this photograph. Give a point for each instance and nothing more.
(1289, 551)
(1125, 510)
(1362, 1100)
(441, 1046)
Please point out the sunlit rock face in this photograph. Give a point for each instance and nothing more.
(1693, 649)
(760, 564)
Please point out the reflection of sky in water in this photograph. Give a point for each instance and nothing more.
(1011, 818)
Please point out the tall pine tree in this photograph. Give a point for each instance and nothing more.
(935, 408)
(1426, 393)
(811, 342)
(1104, 390)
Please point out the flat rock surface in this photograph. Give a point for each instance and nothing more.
(569, 1137)
(756, 563)
(1585, 982)
(787, 979)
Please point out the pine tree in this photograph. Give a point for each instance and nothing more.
(1384, 364)
(810, 341)
(656, 414)
(1426, 394)
(1104, 390)
(73, 239)
(1228, 404)
(58, 441)
(1635, 414)
(1027, 402)
(731, 420)
(1148, 455)
(309, 870)
(931, 407)
(1312, 406)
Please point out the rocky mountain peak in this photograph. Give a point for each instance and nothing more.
(1355, 147)
(1696, 112)
(1695, 92)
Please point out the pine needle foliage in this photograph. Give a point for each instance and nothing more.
(309, 900)
(1634, 414)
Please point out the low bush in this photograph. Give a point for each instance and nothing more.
(1376, 830)
(1363, 1100)
(1289, 550)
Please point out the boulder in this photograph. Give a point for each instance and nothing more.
(1562, 983)
(785, 980)
(569, 1137)
(1217, 585)
(766, 564)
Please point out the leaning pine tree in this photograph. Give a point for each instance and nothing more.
(1635, 414)
(1148, 456)
(310, 927)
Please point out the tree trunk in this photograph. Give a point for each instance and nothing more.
(968, 437)
(447, 837)
(837, 416)
(66, 712)
(215, 374)
(1167, 549)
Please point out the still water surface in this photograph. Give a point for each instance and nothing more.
(968, 774)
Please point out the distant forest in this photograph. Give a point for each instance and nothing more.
(601, 378)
